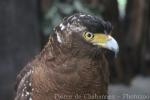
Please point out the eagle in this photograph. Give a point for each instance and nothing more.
(73, 64)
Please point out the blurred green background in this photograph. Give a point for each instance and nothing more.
(25, 26)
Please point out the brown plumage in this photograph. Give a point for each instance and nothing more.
(69, 67)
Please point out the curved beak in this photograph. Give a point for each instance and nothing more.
(106, 41)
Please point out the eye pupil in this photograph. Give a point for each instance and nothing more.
(89, 35)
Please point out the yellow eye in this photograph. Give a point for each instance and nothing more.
(88, 36)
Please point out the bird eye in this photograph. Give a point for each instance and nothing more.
(88, 35)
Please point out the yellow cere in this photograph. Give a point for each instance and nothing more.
(99, 38)
(96, 38)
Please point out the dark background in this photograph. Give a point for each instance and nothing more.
(26, 24)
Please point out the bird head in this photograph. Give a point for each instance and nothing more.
(85, 31)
